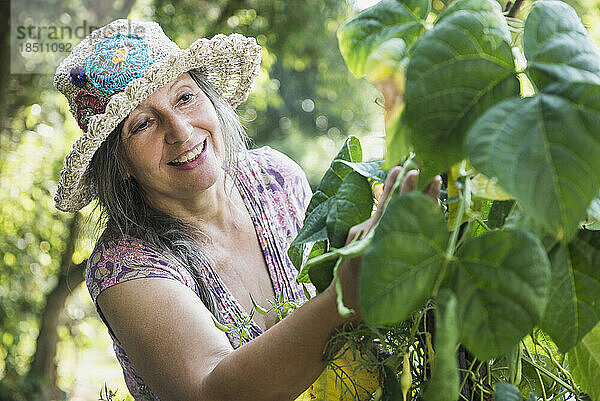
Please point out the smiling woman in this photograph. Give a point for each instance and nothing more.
(195, 222)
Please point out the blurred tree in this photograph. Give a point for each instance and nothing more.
(38, 245)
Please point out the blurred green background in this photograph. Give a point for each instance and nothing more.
(305, 103)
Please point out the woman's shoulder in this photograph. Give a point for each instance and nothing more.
(276, 164)
(116, 259)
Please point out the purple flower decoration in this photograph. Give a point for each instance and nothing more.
(78, 77)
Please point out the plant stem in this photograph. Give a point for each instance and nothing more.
(482, 224)
(457, 223)
(342, 309)
(515, 8)
(545, 371)
(466, 376)
(555, 362)
(537, 371)
(453, 238)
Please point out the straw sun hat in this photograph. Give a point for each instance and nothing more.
(118, 66)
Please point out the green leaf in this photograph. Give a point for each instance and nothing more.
(335, 174)
(557, 46)
(456, 72)
(502, 284)
(487, 188)
(517, 219)
(317, 249)
(507, 392)
(399, 270)
(592, 222)
(499, 212)
(544, 151)
(573, 308)
(387, 62)
(532, 397)
(392, 390)
(397, 140)
(321, 274)
(352, 205)
(478, 6)
(365, 33)
(372, 170)
(444, 382)
(314, 229)
(584, 361)
(296, 253)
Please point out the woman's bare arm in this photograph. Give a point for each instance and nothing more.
(171, 340)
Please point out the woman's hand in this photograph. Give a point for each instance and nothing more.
(349, 270)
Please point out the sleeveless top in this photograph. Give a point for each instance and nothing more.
(276, 193)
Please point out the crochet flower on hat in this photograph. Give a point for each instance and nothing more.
(88, 104)
(116, 61)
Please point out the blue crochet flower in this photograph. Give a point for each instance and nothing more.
(116, 61)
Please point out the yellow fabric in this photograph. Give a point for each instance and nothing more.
(344, 379)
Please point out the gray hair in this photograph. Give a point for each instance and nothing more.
(125, 211)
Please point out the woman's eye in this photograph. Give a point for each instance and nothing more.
(186, 98)
(141, 126)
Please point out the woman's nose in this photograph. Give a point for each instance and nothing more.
(178, 129)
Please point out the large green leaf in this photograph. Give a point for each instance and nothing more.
(477, 6)
(335, 174)
(315, 222)
(558, 47)
(321, 274)
(397, 140)
(400, 268)
(372, 169)
(592, 222)
(444, 382)
(317, 249)
(363, 35)
(352, 205)
(314, 228)
(584, 361)
(502, 284)
(573, 308)
(544, 151)
(507, 392)
(499, 212)
(456, 72)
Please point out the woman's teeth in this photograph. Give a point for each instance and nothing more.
(189, 156)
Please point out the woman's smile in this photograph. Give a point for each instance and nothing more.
(190, 159)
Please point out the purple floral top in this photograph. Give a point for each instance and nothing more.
(276, 193)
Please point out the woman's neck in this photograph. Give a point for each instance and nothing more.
(215, 210)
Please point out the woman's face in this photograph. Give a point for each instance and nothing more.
(173, 142)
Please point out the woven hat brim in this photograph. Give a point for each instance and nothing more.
(230, 63)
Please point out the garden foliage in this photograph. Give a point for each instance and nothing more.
(475, 94)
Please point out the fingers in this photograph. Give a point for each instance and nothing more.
(389, 182)
(433, 190)
(387, 190)
(410, 181)
(354, 230)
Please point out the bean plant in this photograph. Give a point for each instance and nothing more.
(494, 291)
